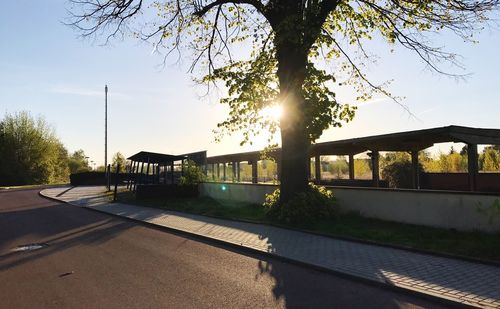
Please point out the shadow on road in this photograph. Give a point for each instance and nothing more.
(26, 218)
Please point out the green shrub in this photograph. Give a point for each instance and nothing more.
(399, 174)
(304, 209)
(192, 174)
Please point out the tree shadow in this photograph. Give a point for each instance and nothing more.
(300, 287)
(65, 191)
(57, 226)
(382, 264)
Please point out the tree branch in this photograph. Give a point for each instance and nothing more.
(203, 10)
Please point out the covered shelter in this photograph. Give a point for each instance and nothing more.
(152, 168)
(219, 164)
(159, 168)
(410, 141)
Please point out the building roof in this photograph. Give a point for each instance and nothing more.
(409, 140)
(153, 157)
(400, 141)
(242, 156)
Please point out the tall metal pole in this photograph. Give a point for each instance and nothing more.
(105, 126)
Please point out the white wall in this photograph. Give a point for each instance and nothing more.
(242, 192)
(455, 210)
(438, 209)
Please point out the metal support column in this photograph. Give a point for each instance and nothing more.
(138, 175)
(351, 167)
(238, 177)
(172, 177)
(415, 170)
(130, 173)
(472, 166)
(375, 168)
(153, 169)
(146, 180)
(317, 169)
(255, 173)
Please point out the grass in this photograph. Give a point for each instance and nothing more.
(469, 244)
(31, 186)
(202, 206)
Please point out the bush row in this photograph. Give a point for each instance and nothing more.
(95, 179)
(155, 191)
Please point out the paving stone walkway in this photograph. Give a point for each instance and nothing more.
(457, 280)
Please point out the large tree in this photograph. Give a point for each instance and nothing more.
(30, 152)
(78, 162)
(290, 41)
(119, 159)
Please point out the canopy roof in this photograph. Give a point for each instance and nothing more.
(400, 141)
(153, 157)
(242, 156)
(410, 140)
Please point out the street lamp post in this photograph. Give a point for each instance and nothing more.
(105, 126)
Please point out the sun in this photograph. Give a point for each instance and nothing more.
(273, 112)
(269, 113)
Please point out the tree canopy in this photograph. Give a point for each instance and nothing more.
(119, 159)
(78, 162)
(299, 52)
(30, 152)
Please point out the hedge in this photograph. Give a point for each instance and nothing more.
(95, 179)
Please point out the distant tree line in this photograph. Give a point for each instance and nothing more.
(451, 162)
(31, 153)
(266, 169)
(396, 167)
(393, 165)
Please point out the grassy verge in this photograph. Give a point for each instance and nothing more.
(202, 206)
(31, 186)
(471, 244)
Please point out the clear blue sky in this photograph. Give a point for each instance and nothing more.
(46, 69)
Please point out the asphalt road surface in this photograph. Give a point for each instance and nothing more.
(92, 260)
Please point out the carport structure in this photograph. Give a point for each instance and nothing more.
(410, 141)
(160, 164)
(219, 164)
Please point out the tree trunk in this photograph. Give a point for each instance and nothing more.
(294, 138)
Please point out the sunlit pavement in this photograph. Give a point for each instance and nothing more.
(460, 281)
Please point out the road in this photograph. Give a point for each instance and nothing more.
(93, 260)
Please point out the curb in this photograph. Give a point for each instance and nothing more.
(384, 285)
(37, 187)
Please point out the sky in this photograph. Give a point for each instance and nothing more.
(45, 68)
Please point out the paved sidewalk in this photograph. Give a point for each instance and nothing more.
(469, 283)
